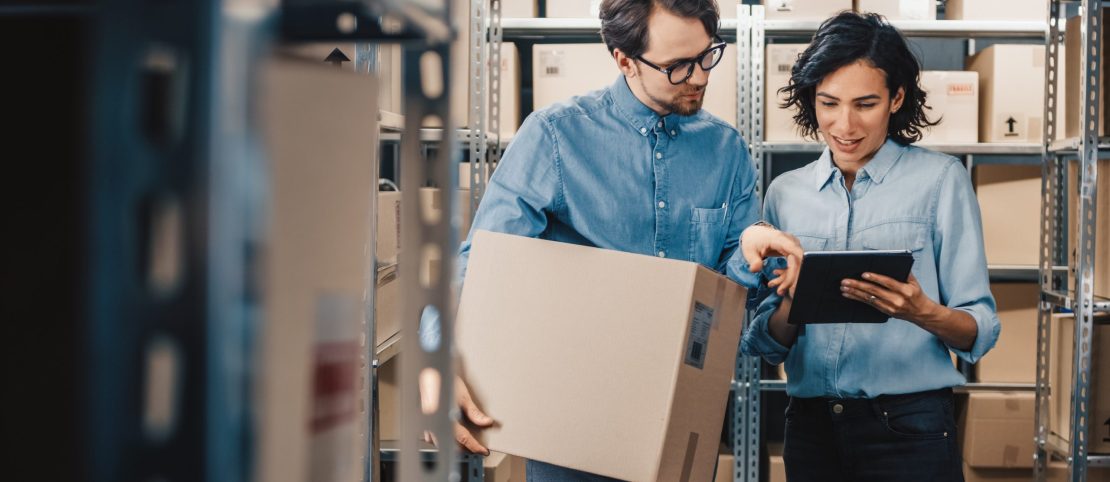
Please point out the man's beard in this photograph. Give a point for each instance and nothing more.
(680, 104)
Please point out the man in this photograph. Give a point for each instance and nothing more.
(637, 166)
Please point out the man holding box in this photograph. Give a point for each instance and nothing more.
(636, 167)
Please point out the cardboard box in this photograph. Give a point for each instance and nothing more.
(498, 467)
(584, 370)
(1073, 74)
(1060, 380)
(591, 9)
(724, 467)
(1101, 269)
(1058, 472)
(778, 123)
(519, 9)
(997, 430)
(1009, 199)
(777, 470)
(804, 9)
(954, 100)
(1011, 92)
(560, 71)
(509, 107)
(1028, 10)
(389, 226)
(572, 9)
(387, 304)
(900, 9)
(316, 120)
(391, 89)
(389, 401)
(972, 474)
(1011, 360)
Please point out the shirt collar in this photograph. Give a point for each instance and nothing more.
(876, 169)
(638, 115)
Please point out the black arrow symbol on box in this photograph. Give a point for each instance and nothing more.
(1011, 122)
(337, 57)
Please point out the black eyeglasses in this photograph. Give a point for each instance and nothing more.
(680, 71)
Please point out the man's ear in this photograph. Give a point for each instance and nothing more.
(625, 63)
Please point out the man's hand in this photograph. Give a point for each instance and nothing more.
(468, 412)
(760, 242)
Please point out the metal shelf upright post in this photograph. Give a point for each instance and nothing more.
(1055, 292)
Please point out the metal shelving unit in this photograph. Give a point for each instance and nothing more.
(746, 402)
(1056, 295)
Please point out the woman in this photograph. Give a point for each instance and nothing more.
(874, 401)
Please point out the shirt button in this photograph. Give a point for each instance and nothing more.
(660, 124)
(643, 130)
(662, 204)
(673, 133)
(838, 409)
(662, 254)
(658, 155)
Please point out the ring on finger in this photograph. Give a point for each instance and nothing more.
(871, 299)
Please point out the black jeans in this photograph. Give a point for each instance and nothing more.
(889, 438)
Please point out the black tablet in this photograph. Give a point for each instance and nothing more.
(817, 295)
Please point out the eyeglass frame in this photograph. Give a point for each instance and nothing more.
(693, 61)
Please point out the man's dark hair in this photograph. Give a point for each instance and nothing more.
(624, 22)
(843, 40)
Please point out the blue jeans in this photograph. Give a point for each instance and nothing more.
(889, 438)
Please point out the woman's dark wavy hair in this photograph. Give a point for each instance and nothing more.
(624, 22)
(843, 40)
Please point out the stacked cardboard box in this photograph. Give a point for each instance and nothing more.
(778, 123)
(953, 98)
(1029, 10)
(1061, 371)
(560, 71)
(315, 122)
(1073, 73)
(591, 8)
(1011, 92)
(1100, 272)
(519, 8)
(900, 9)
(804, 9)
(643, 370)
(1011, 360)
(1003, 191)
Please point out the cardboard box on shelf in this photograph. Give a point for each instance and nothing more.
(509, 108)
(1060, 375)
(1010, 361)
(1029, 10)
(572, 9)
(996, 430)
(954, 100)
(1058, 472)
(544, 329)
(519, 9)
(972, 474)
(1004, 190)
(1073, 63)
(389, 226)
(387, 304)
(591, 9)
(458, 85)
(1011, 92)
(1101, 269)
(315, 122)
(778, 123)
(900, 9)
(724, 467)
(561, 71)
(804, 9)
(777, 471)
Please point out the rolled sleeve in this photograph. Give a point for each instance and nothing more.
(757, 339)
(962, 276)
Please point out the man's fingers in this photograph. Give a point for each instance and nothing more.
(467, 441)
(790, 275)
(470, 410)
(786, 245)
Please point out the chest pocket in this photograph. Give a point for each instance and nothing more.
(812, 243)
(707, 235)
(910, 235)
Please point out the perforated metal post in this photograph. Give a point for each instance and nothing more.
(427, 350)
(1051, 222)
(1091, 42)
(484, 169)
(480, 103)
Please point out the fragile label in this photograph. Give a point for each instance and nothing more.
(698, 339)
